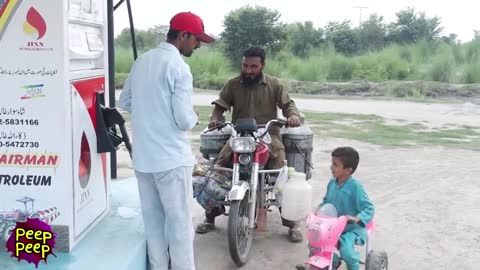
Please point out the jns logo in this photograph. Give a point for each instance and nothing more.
(33, 91)
(34, 24)
(35, 27)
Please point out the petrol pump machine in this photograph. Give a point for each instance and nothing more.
(54, 151)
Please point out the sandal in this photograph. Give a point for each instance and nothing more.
(295, 235)
(205, 227)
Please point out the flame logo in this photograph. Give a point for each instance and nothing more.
(34, 24)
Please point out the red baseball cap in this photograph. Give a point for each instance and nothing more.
(191, 23)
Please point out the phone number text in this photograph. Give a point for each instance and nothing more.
(14, 144)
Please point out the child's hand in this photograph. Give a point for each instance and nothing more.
(352, 219)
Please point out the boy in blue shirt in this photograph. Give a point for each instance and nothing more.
(350, 199)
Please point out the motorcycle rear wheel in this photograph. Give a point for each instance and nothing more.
(240, 236)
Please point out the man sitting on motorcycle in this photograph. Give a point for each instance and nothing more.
(254, 94)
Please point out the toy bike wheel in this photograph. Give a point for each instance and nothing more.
(377, 260)
(240, 236)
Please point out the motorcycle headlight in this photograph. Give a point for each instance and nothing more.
(244, 159)
(243, 145)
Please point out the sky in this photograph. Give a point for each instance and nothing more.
(460, 17)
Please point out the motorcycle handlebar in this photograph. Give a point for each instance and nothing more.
(276, 122)
(218, 127)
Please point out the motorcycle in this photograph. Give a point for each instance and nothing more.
(251, 193)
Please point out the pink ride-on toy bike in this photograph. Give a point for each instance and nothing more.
(323, 232)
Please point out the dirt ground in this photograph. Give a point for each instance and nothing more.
(427, 200)
(430, 114)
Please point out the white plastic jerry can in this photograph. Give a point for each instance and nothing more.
(296, 197)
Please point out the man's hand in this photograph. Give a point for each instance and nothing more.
(213, 123)
(216, 116)
(352, 219)
(293, 121)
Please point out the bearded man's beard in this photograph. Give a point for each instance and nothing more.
(249, 81)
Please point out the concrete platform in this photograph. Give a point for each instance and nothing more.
(116, 242)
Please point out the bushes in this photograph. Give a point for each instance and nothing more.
(425, 60)
(209, 68)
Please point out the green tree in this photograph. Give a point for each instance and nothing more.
(303, 37)
(451, 39)
(411, 27)
(145, 39)
(476, 34)
(252, 26)
(372, 33)
(123, 39)
(343, 37)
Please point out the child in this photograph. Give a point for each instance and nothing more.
(350, 199)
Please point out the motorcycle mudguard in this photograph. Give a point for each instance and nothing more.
(321, 261)
(238, 191)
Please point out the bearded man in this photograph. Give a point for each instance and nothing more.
(254, 94)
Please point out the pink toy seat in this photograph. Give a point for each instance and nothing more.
(370, 227)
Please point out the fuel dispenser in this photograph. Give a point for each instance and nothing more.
(57, 117)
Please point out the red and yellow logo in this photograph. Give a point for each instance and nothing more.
(36, 27)
(34, 24)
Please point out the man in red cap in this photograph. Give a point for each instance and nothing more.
(158, 94)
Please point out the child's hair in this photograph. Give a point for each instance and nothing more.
(348, 156)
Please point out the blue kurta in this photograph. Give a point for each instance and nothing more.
(351, 199)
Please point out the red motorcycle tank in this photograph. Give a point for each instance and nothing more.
(262, 154)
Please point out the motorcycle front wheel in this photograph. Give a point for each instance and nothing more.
(240, 236)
